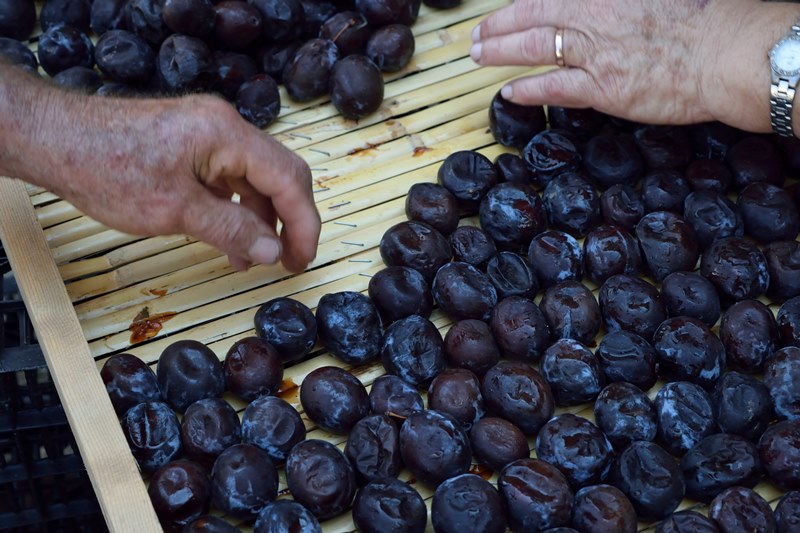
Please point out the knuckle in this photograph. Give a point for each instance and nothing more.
(552, 87)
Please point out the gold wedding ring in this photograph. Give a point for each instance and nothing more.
(560, 48)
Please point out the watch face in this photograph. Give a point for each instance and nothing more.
(786, 56)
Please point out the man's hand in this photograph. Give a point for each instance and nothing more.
(154, 167)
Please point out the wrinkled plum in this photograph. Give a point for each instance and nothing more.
(209, 524)
(76, 13)
(189, 371)
(81, 79)
(712, 139)
(754, 159)
(685, 522)
(688, 350)
(258, 100)
(712, 216)
(384, 12)
(572, 204)
(286, 516)
(412, 349)
(625, 414)
(572, 371)
(517, 392)
(789, 322)
(275, 56)
(512, 214)
(718, 462)
(669, 244)
(555, 257)
(457, 392)
(622, 205)
(783, 265)
(613, 159)
(349, 30)
(153, 434)
(550, 153)
(515, 125)
(603, 508)
(472, 245)
(664, 190)
(288, 325)
(769, 213)
(571, 311)
(626, 356)
(650, 478)
(349, 326)
(736, 267)
(608, 251)
(307, 74)
(742, 509)
(125, 57)
(243, 480)
(237, 24)
(576, 447)
(282, 19)
(16, 53)
(496, 442)
(469, 176)
(273, 425)
(434, 447)
(782, 378)
(462, 291)
(708, 175)
(180, 492)
(468, 503)
(209, 427)
(787, 512)
(511, 275)
(537, 493)
(129, 381)
(399, 292)
(334, 399)
(632, 304)
(742, 405)
(320, 478)
(582, 123)
(470, 344)
(519, 328)
(407, 514)
(62, 47)
(391, 47)
(433, 204)
(664, 147)
(511, 167)
(190, 17)
(690, 294)
(416, 245)
(749, 332)
(356, 87)
(392, 396)
(373, 448)
(17, 18)
(252, 368)
(145, 18)
(685, 416)
(185, 64)
(779, 450)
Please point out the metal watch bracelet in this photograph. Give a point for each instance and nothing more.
(781, 102)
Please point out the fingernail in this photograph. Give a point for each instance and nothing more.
(507, 92)
(476, 33)
(475, 52)
(265, 250)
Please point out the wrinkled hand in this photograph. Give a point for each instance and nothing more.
(654, 61)
(156, 167)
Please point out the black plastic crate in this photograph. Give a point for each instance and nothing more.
(44, 486)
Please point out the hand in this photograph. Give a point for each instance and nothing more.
(654, 61)
(154, 167)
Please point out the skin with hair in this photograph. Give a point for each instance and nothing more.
(162, 166)
(658, 62)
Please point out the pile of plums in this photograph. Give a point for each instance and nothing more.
(239, 49)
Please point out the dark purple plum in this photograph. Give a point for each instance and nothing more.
(209, 524)
(399, 292)
(356, 87)
(555, 257)
(664, 190)
(17, 18)
(622, 205)
(713, 216)
(470, 344)
(392, 396)
(259, 101)
(779, 450)
(787, 512)
(736, 267)
(749, 332)
(469, 176)
(783, 265)
(712, 139)
(538, 495)
(462, 291)
(129, 381)
(285, 516)
(550, 153)
(688, 350)
(189, 17)
(209, 427)
(180, 493)
(274, 57)
(613, 159)
(685, 416)
(252, 368)
(243, 481)
(433, 204)
(416, 245)
(664, 147)
(626, 356)
(434, 447)
(320, 478)
(185, 64)
(742, 509)
(384, 12)
(496, 442)
(632, 304)
(406, 514)
(625, 414)
(334, 399)
(789, 322)
(349, 326)
(515, 125)
(708, 175)
(511, 167)
(412, 349)
(62, 47)
(520, 329)
(754, 159)
(685, 522)
(669, 244)
(571, 311)
(373, 448)
(572, 204)
(468, 503)
(515, 391)
(76, 13)
(472, 245)
(282, 19)
(307, 74)
(512, 214)
(690, 294)
(145, 18)
(273, 425)
(582, 123)
(125, 57)
(718, 462)
(742, 405)
(16, 53)
(457, 392)
(782, 378)
(188, 371)
(391, 47)
(81, 79)
(608, 251)
(153, 434)
(511, 275)
(288, 325)
(237, 24)
(769, 213)
(572, 371)
(349, 30)
(603, 508)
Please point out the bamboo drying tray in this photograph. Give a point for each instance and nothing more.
(86, 285)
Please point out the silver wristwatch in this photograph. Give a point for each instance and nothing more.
(784, 58)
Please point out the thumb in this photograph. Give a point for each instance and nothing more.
(232, 228)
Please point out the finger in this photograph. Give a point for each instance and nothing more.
(256, 202)
(238, 263)
(286, 179)
(570, 87)
(232, 228)
(536, 46)
(526, 14)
